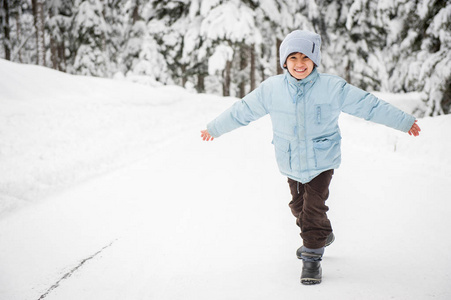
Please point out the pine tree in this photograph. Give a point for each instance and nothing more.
(436, 58)
(141, 59)
(168, 27)
(228, 29)
(60, 15)
(273, 25)
(134, 32)
(22, 32)
(365, 40)
(89, 31)
(117, 21)
(421, 60)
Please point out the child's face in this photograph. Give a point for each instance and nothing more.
(299, 65)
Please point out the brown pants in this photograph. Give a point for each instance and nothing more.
(309, 207)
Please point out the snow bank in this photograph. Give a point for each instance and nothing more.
(58, 129)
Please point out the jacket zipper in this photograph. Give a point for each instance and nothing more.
(305, 135)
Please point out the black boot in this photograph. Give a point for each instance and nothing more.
(311, 268)
(311, 272)
(330, 240)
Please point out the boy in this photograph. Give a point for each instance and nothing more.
(304, 107)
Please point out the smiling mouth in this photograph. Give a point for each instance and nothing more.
(300, 70)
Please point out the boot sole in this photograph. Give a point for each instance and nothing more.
(310, 281)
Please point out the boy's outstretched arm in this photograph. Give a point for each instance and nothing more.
(415, 129)
(207, 137)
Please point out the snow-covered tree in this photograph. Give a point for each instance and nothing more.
(275, 19)
(357, 47)
(145, 63)
(168, 25)
(117, 21)
(229, 46)
(133, 32)
(60, 14)
(435, 55)
(89, 31)
(228, 28)
(421, 60)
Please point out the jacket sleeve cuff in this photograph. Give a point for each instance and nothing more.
(410, 120)
(211, 128)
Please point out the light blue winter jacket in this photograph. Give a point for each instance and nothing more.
(304, 117)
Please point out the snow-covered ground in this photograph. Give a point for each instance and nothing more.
(108, 192)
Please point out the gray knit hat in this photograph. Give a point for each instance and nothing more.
(303, 41)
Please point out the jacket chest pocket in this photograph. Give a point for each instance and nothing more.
(322, 112)
(283, 153)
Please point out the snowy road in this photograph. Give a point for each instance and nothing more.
(210, 221)
(196, 220)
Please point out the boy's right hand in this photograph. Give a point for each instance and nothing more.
(206, 136)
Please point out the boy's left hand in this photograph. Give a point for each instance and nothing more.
(415, 130)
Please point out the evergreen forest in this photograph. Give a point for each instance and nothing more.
(227, 47)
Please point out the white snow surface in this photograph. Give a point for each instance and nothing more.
(108, 192)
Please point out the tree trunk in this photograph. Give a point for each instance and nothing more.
(135, 12)
(53, 46)
(252, 75)
(348, 72)
(54, 53)
(226, 83)
(243, 65)
(184, 77)
(279, 68)
(38, 12)
(19, 33)
(62, 66)
(262, 73)
(200, 88)
(6, 29)
(446, 98)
